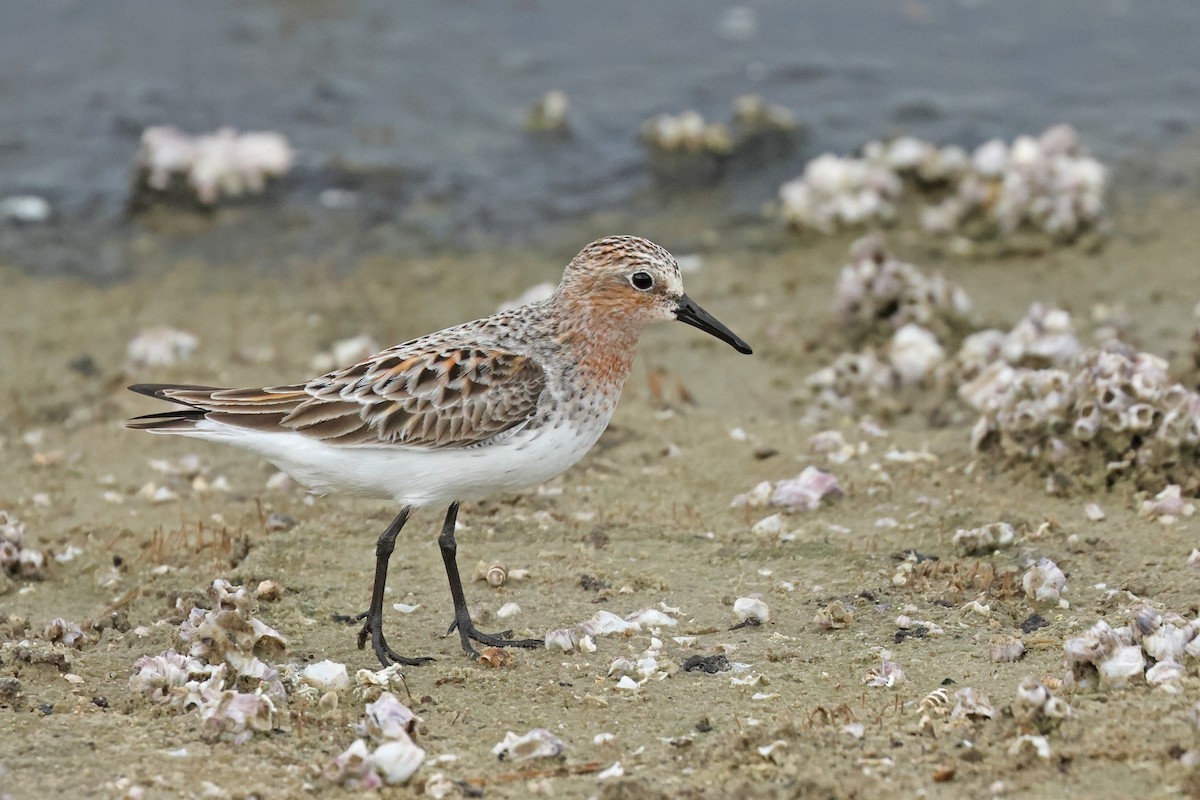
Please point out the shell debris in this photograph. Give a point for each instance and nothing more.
(1044, 582)
(537, 743)
(984, 540)
(393, 761)
(160, 346)
(210, 166)
(17, 560)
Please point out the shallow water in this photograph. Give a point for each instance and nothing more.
(420, 107)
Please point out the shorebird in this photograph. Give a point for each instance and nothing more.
(495, 405)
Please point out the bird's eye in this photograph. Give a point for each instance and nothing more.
(642, 281)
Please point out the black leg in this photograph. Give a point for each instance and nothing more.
(373, 625)
(462, 617)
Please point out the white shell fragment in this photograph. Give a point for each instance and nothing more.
(806, 491)
(1168, 505)
(982, 541)
(606, 622)
(397, 760)
(750, 610)
(1005, 648)
(537, 743)
(971, 704)
(387, 718)
(886, 675)
(1044, 582)
(563, 639)
(326, 675)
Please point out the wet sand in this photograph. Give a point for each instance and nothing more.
(646, 518)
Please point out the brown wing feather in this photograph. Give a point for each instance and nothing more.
(448, 396)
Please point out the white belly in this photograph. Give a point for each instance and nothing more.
(412, 476)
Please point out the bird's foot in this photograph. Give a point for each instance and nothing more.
(467, 632)
(372, 629)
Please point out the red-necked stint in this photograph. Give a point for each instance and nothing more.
(498, 404)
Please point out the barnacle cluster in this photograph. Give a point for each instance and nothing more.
(17, 560)
(394, 759)
(210, 166)
(1115, 411)
(686, 151)
(878, 294)
(226, 675)
(1047, 185)
(1157, 647)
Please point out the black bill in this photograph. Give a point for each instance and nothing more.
(697, 317)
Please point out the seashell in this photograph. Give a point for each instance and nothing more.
(1193, 560)
(1029, 744)
(397, 759)
(1118, 668)
(834, 616)
(914, 353)
(353, 768)
(495, 657)
(1093, 512)
(605, 622)
(1044, 582)
(1167, 503)
(387, 718)
(1167, 675)
(438, 787)
(508, 610)
(971, 705)
(887, 674)
(493, 572)
(751, 611)
(326, 675)
(769, 526)
(1031, 694)
(268, 590)
(806, 491)
(537, 743)
(60, 631)
(760, 495)
(982, 541)
(235, 716)
(652, 618)
(1005, 648)
(936, 703)
(563, 639)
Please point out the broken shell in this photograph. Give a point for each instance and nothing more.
(495, 657)
(387, 718)
(537, 743)
(603, 622)
(268, 590)
(1121, 666)
(1005, 648)
(1027, 744)
(326, 675)
(887, 674)
(982, 541)
(1167, 676)
(1044, 582)
(508, 610)
(563, 639)
(1032, 694)
(751, 611)
(936, 702)
(834, 616)
(59, 630)
(971, 705)
(397, 759)
(353, 768)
